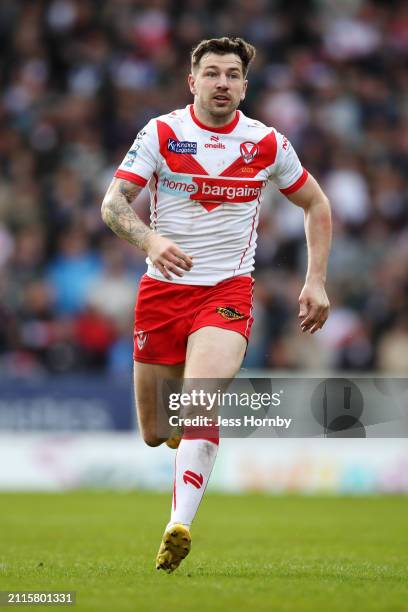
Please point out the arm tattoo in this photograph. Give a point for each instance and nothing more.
(118, 214)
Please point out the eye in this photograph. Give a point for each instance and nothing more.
(211, 74)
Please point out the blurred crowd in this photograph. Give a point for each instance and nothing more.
(79, 78)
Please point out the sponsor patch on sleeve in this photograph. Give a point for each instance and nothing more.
(131, 156)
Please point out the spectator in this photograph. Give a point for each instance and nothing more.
(79, 79)
(71, 271)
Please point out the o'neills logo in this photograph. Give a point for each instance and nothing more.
(218, 145)
(223, 190)
(215, 143)
(193, 478)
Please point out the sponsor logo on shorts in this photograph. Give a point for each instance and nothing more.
(196, 480)
(141, 338)
(227, 312)
(249, 150)
(183, 147)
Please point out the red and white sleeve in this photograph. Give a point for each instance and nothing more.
(141, 160)
(288, 173)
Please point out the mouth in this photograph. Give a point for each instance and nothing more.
(221, 98)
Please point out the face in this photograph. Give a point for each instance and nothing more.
(218, 84)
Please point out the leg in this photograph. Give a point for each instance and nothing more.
(212, 353)
(146, 377)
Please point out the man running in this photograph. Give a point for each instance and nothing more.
(206, 166)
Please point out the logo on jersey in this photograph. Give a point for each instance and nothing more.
(249, 150)
(226, 190)
(177, 183)
(215, 143)
(196, 480)
(141, 338)
(183, 147)
(213, 190)
(141, 134)
(229, 313)
(131, 156)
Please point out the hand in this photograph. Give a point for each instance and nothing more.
(314, 306)
(166, 255)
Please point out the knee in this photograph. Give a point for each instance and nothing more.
(152, 440)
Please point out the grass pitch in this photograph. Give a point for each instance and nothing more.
(250, 552)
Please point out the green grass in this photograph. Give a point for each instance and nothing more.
(250, 552)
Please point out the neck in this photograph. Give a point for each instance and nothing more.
(212, 120)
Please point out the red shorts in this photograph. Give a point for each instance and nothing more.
(167, 313)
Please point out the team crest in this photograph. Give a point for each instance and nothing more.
(141, 338)
(229, 313)
(249, 150)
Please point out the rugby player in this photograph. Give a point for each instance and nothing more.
(206, 167)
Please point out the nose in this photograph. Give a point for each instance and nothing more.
(222, 82)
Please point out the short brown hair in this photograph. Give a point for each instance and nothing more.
(222, 46)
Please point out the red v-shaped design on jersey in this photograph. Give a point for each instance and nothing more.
(265, 157)
(177, 162)
(187, 164)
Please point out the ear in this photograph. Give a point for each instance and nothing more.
(244, 90)
(191, 84)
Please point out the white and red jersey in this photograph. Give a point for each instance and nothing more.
(206, 187)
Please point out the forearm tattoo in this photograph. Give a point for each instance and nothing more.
(119, 215)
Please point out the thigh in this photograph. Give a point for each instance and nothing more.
(147, 384)
(161, 325)
(218, 338)
(214, 356)
(221, 329)
(214, 352)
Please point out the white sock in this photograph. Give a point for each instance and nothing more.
(193, 466)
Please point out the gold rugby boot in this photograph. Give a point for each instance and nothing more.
(175, 546)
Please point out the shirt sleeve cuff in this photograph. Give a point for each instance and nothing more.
(130, 176)
(297, 184)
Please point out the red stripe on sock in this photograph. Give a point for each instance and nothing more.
(210, 433)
